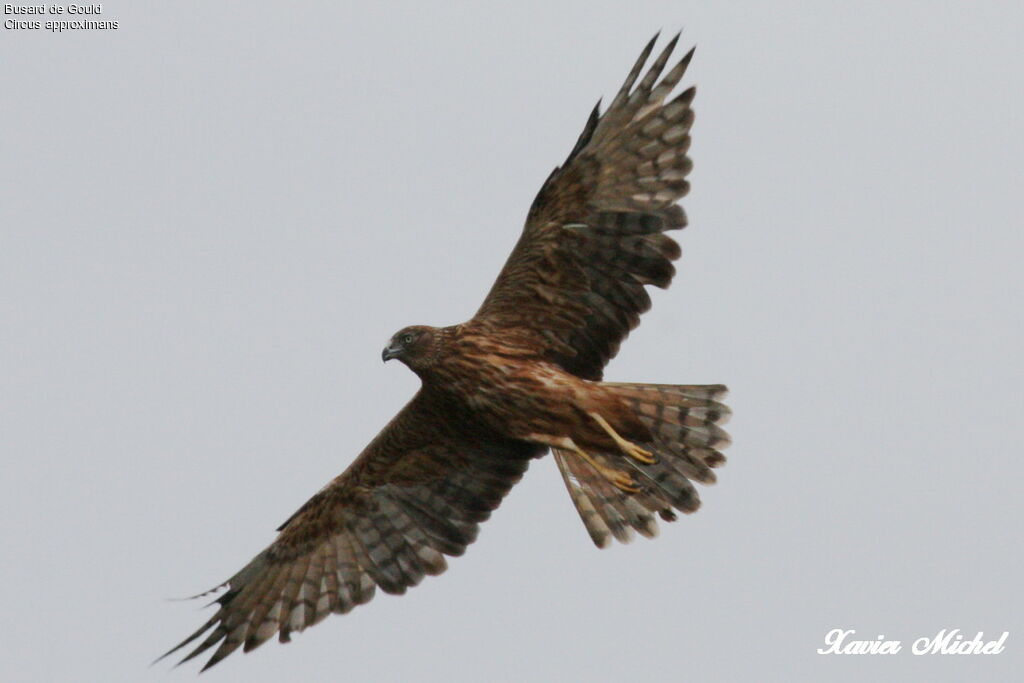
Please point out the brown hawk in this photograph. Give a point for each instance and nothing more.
(519, 378)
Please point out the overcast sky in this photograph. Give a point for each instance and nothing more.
(213, 217)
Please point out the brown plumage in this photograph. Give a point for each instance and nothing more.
(522, 376)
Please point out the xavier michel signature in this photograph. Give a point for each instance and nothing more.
(945, 642)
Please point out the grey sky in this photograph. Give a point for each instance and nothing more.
(212, 219)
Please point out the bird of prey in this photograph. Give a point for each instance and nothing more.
(521, 377)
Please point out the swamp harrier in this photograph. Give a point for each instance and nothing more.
(522, 377)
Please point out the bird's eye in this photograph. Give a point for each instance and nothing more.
(406, 338)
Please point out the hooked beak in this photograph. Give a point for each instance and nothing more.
(389, 352)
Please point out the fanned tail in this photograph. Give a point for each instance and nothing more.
(684, 421)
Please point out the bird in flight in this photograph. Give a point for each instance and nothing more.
(523, 376)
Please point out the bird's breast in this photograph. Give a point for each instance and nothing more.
(514, 395)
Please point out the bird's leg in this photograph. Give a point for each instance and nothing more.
(620, 480)
(641, 455)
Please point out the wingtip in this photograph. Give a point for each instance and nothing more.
(648, 49)
(685, 61)
(168, 654)
(211, 591)
(194, 636)
(173, 650)
(209, 664)
(672, 43)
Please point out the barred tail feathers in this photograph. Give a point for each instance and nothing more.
(684, 421)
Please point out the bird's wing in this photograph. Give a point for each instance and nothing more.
(417, 493)
(595, 233)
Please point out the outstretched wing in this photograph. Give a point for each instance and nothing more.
(595, 233)
(418, 492)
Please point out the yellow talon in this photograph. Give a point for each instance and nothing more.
(625, 483)
(620, 480)
(641, 455)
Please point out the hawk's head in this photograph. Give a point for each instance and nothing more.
(414, 345)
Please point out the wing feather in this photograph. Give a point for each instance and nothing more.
(594, 235)
(418, 492)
